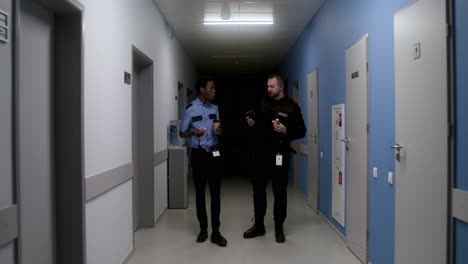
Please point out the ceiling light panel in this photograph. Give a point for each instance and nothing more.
(240, 13)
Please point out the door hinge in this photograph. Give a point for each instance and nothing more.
(450, 131)
(449, 29)
(367, 66)
(367, 126)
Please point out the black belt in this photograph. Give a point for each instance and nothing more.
(285, 145)
(209, 149)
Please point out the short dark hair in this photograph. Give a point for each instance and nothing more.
(202, 82)
(278, 78)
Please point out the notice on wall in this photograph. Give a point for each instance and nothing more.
(338, 163)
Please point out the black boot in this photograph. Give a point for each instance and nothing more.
(258, 229)
(279, 234)
(218, 239)
(202, 236)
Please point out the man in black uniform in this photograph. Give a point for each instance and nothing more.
(276, 122)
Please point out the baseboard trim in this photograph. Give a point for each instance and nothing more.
(460, 205)
(333, 227)
(128, 257)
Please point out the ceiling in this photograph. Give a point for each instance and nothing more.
(237, 49)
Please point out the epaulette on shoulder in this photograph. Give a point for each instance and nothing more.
(188, 106)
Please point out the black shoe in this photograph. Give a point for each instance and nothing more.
(279, 235)
(255, 231)
(202, 236)
(218, 239)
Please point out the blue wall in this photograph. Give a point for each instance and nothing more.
(461, 95)
(322, 45)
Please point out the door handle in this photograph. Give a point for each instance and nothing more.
(346, 140)
(396, 147)
(313, 137)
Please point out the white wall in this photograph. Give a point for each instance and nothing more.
(111, 27)
(109, 232)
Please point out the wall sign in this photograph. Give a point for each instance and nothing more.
(127, 78)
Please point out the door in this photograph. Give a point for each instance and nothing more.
(313, 139)
(181, 99)
(7, 183)
(143, 143)
(421, 133)
(35, 157)
(357, 148)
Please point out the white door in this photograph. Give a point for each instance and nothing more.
(7, 181)
(35, 125)
(357, 148)
(313, 139)
(421, 147)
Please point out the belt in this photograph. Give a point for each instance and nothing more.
(208, 149)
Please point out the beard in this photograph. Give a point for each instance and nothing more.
(273, 95)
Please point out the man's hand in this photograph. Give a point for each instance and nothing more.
(278, 126)
(250, 121)
(199, 132)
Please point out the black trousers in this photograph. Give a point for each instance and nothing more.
(207, 169)
(265, 168)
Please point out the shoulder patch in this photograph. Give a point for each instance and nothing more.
(188, 106)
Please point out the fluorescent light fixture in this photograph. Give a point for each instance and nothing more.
(238, 23)
(237, 13)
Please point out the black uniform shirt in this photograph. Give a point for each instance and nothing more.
(288, 113)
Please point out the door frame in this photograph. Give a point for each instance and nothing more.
(68, 114)
(296, 94)
(143, 145)
(451, 48)
(309, 182)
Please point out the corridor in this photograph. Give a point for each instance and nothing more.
(308, 238)
(92, 94)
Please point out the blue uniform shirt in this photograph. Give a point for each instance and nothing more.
(198, 115)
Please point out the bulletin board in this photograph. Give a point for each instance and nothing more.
(338, 163)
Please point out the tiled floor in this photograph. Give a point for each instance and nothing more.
(308, 238)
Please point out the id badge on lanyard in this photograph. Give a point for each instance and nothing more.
(279, 159)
